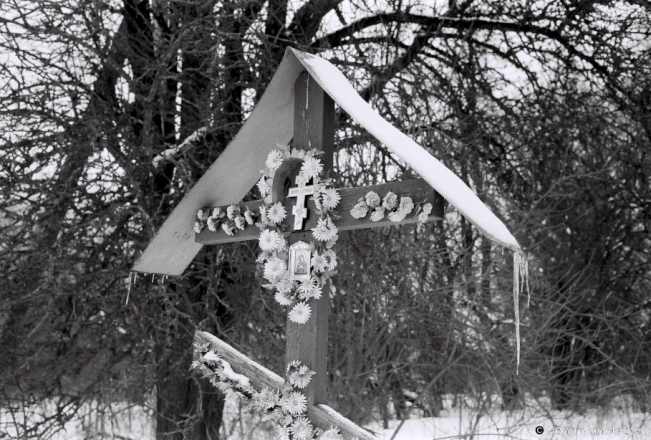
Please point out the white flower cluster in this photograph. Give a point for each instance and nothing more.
(274, 255)
(389, 206)
(286, 407)
(230, 222)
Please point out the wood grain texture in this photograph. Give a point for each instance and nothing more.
(417, 189)
(322, 416)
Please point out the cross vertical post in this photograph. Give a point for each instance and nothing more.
(313, 128)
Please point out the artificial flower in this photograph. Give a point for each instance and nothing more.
(276, 213)
(406, 205)
(372, 199)
(359, 210)
(284, 284)
(217, 213)
(332, 259)
(427, 208)
(302, 377)
(274, 268)
(248, 216)
(232, 211)
(331, 434)
(294, 403)
(283, 434)
(422, 217)
(325, 230)
(301, 429)
(240, 222)
(390, 200)
(306, 286)
(198, 226)
(319, 262)
(270, 240)
(283, 299)
(315, 293)
(266, 399)
(312, 167)
(274, 160)
(228, 228)
(263, 186)
(300, 313)
(377, 214)
(211, 224)
(330, 198)
(397, 216)
(201, 215)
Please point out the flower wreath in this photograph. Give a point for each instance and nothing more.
(274, 251)
(286, 407)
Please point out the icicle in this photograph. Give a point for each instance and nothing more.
(129, 288)
(520, 281)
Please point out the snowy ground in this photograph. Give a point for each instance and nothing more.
(127, 423)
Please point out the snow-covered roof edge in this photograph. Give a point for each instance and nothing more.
(236, 170)
(451, 187)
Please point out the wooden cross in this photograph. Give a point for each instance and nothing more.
(307, 343)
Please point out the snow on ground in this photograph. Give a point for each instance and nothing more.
(98, 422)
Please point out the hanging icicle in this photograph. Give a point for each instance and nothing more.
(129, 288)
(520, 282)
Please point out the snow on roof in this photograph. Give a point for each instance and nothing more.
(237, 169)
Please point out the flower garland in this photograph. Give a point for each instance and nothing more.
(231, 221)
(395, 210)
(274, 251)
(286, 407)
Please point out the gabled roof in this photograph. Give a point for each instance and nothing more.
(237, 169)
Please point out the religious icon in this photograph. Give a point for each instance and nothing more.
(299, 261)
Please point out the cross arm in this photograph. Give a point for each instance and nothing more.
(322, 416)
(417, 189)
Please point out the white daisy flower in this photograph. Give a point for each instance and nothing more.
(330, 198)
(331, 434)
(228, 228)
(422, 217)
(312, 167)
(306, 286)
(377, 214)
(315, 293)
(332, 259)
(274, 160)
(266, 399)
(269, 240)
(198, 227)
(325, 230)
(284, 285)
(295, 403)
(282, 299)
(319, 262)
(301, 429)
(359, 210)
(427, 208)
(274, 268)
(300, 313)
(263, 186)
(276, 213)
(372, 199)
(406, 205)
(397, 216)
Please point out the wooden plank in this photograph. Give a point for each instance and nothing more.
(417, 189)
(322, 416)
